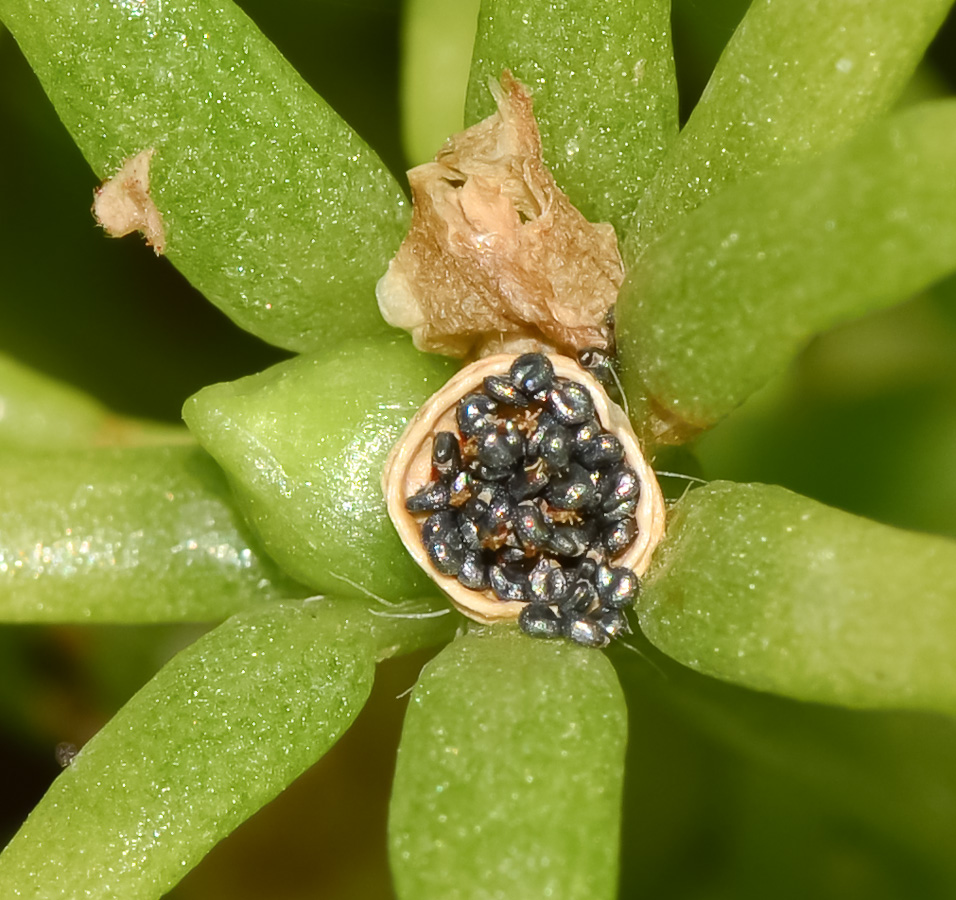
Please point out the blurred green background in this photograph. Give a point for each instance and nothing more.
(730, 794)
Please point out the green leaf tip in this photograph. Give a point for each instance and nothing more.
(270, 204)
(217, 733)
(304, 444)
(509, 774)
(773, 591)
(728, 296)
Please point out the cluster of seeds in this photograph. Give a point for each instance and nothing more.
(532, 499)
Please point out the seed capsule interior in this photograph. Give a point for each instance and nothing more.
(533, 519)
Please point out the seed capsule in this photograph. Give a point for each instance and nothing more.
(570, 403)
(531, 373)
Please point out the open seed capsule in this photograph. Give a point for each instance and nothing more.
(578, 396)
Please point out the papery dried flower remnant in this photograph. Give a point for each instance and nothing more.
(122, 204)
(496, 251)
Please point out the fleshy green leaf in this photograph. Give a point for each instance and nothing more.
(509, 773)
(796, 78)
(272, 206)
(605, 95)
(38, 412)
(437, 38)
(770, 590)
(727, 297)
(304, 444)
(132, 535)
(223, 728)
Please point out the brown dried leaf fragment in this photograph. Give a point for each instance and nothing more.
(122, 203)
(496, 252)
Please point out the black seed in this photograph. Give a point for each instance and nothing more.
(530, 527)
(538, 581)
(597, 362)
(619, 535)
(567, 540)
(585, 433)
(502, 390)
(620, 484)
(613, 622)
(470, 534)
(432, 497)
(509, 555)
(558, 586)
(446, 555)
(617, 587)
(575, 490)
(501, 449)
(585, 632)
(473, 573)
(476, 414)
(580, 599)
(623, 510)
(439, 525)
(570, 403)
(601, 451)
(501, 511)
(446, 454)
(531, 373)
(486, 473)
(586, 570)
(540, 621)
(507, 582)
(528, 483)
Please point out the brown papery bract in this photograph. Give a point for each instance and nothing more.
(497, 257)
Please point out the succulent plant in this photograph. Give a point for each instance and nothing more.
(790, 692)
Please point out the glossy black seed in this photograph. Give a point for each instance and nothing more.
(461, 488)
(580, 599)
(538, 620)
(586, 570)
(613, 622)
(528, 482)
(619, 535)
(501, 511)
(567, 540)
(502, 390)
(487, 473)
(559, 585)
(446, 554)
(597, 362)
(538, 581)
(508, 583)
(617, 586)
(510, 555)
(575, 490)
(531, 373)
(439, 525)
(446, 454)
(620, 484)
(570, 403)
(583, 434)
(471, 535)
(530, 527)
(475, 414)
(501, 449)
(473, 572)
(600, 452)
(432, 497)
(586, 632)
(623, 510)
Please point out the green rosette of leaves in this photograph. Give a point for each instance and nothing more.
(795, 198)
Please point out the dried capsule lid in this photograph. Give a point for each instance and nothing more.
(409, 467)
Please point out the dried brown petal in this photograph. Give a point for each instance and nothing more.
(496, 251)
(409, 465)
